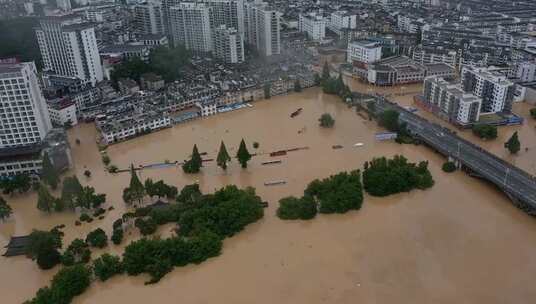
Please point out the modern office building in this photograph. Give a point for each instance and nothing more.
(228, 45)
(364, 51)
(313, 25)
(149, 18)
(496, 91)
(263, 28)
(69, 48)
(191, 26)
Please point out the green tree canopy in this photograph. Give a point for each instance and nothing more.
(20, 182)
(43, 247)
(292, 208)
(88, 199)
(194, 164)
(97, 238)
(485, 131)
(106, 266)
(533, 113)
(77, 252)
(383, 176)
(132, 68)
(45, 200)
(326, 120)
(169, 62)
(243, 154)
(5, 209)
(513, 145)
(70, 191)
(49, 174)
(389, 120)
(135, 191)
(223, 157)
(66, 284)
(338, 193)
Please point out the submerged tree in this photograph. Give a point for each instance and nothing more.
(243, 154)
(194, 164)
(326, 120)
(223, 157)
(45, 200)
(135, 190)
(70, 190)
(43, 246)
(325, 71)
(5, 209)
(49, 174)
(513, 145)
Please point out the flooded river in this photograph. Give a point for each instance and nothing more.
(459, 242)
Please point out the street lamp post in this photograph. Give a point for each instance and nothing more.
(506, 175)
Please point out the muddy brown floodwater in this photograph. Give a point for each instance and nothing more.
(459, 242)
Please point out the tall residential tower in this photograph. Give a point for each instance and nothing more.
(263, 28)
(69, 47)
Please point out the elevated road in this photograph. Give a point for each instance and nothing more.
(518, 185)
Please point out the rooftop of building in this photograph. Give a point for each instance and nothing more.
(60, 103)
(6, 68)
(366, 43)
(119, 48)
(438, 67)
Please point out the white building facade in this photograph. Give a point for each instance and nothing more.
(228, 45)
(263, 28)
(69, 48)
(149, 18)
(342, 20)
(191, 26)
(24, 120)
(62, 112)
(313, 25)
(364, 51)
(23, 112)
(496, 91)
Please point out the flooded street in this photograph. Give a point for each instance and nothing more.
(459, 242)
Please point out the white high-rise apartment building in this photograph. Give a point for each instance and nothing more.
(228, 45)
(448, 101)
(526, 71)
(263, 28)
(496, 91)
(69, 47)
(24, 118)
(342, 20)
(149, 18)
(314, 25)
(191, 27)
(227, 12)
(364, 51)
